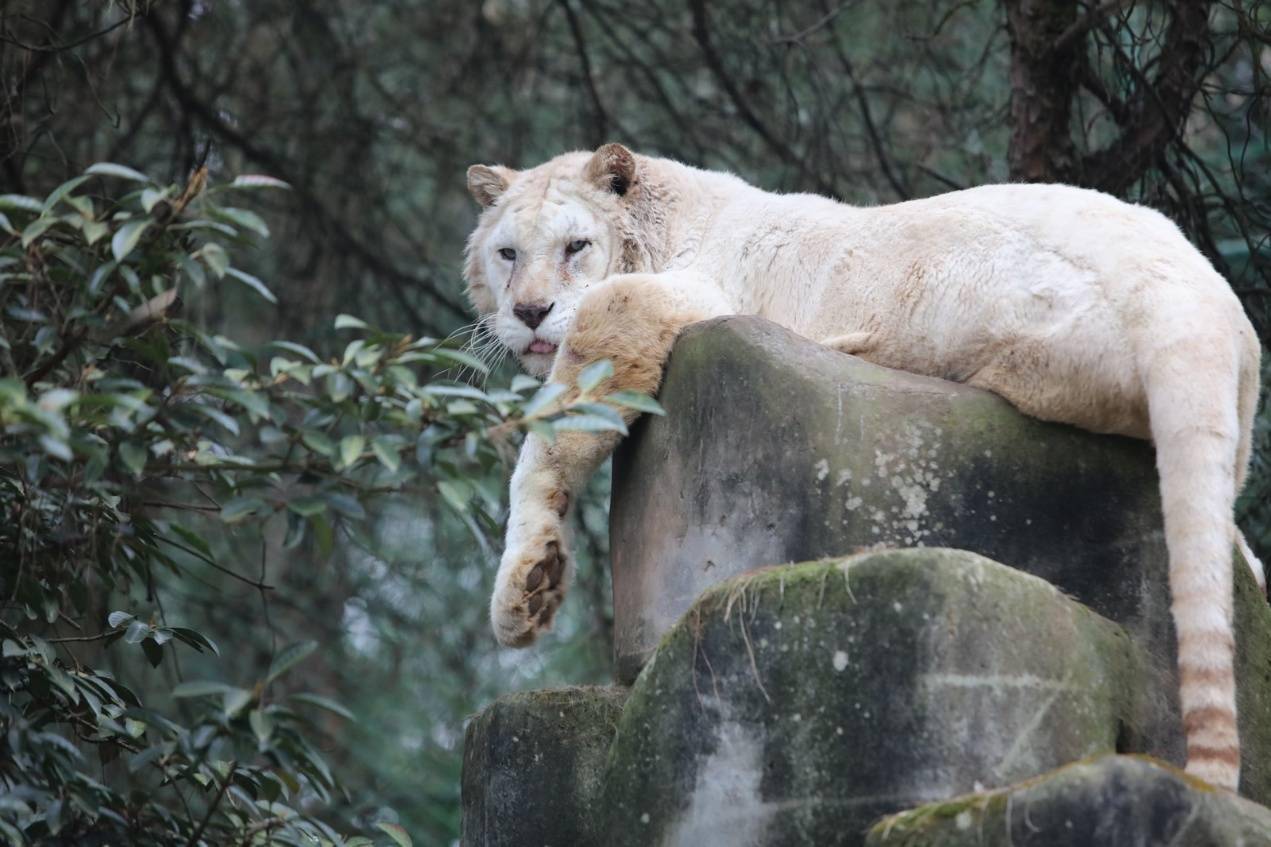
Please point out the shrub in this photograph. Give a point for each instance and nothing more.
(129, 438)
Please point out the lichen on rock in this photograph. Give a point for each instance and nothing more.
(532, 766)
(797, 704)
(1112, 801)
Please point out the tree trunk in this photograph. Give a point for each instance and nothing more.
(1043, 85)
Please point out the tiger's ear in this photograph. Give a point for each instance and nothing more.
(486, 183)
(612, 168)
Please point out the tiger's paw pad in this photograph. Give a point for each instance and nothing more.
(528, 600)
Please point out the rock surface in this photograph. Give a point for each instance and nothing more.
(797, 705)
(532, 765)
(1115, 801)
(776, 449)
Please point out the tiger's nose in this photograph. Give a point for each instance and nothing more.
(532, 314)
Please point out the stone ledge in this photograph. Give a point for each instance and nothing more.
(776, 449)
(798, 704)
(532, 765)
(1114, 801)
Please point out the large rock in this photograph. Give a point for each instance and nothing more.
(776, 449)
(796, 705)
(532, 765)
(1115, 801)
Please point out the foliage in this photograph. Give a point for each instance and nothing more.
(131, 439)
(373, 111)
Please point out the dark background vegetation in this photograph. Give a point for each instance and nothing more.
(372, 112)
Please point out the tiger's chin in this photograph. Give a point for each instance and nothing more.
(538, 364)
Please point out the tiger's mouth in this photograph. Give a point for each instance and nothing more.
(541, 346)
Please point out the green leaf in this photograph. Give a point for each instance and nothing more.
(351, 449)
(35, 229)
(588, 423)
(240, 508)
(154, 653)
(636, 400)
(594, 374)
(253, 283)
(262, 724)
(234, 700)
(457, 493)
(57, 399)
(289, 657)
(56, 447)
(216, 258)
(461, 407)
(61, 191)
(194, 366)
(137, 631)
(307, 506)
(343, 321)
(257, 181)
(352, 350)
(133, 456)
(340, 386)
(197, 640)
(256, 404)
(94, 230)
(462, 358)
(543, 429)
(347, 506)
(193, 270)
(387, 453)
(201, 688)
(19, 201)
(521, 382)
(100, 275)
(216, 415)
(543, 398)
(126, 239)
(121, 171)
(318, 442)
(83, 205)
(245, 218)
(298, 349)
(151, 197)
(192, 538)
(322, 703)
(469, 391)
(395, 832)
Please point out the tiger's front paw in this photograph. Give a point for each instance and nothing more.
(529, 589)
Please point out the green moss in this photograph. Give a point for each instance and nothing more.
(1095, 802)
(849, 678)
(912, 827)
(533, 766)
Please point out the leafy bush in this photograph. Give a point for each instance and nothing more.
(130, 439)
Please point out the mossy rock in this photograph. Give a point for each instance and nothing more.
(798, 704)
(532, 765)
(1113, 801)
(776, 449)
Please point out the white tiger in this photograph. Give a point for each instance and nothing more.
(1074, 306)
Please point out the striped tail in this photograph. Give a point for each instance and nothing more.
(1192, 404)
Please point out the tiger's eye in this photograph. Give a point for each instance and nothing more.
(575, 246)
(508, 253)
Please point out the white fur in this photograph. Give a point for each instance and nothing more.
(1074, 306)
